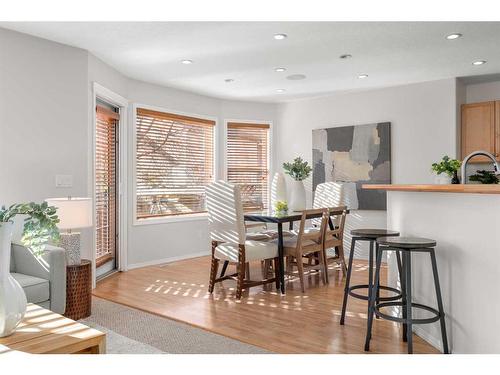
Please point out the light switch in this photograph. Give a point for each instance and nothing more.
(64, 180)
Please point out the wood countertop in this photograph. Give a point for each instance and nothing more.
(467, 188)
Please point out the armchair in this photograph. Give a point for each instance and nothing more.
(43, 279)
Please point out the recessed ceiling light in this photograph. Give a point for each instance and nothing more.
(361, 76)
(279, 69)
(296, 77)
(453, 36)
(187, 62)
(280, 90)
(346, 56)
(229, 80)
(280, 36)
(479, 62)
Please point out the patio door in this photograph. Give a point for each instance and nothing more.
(106, 197)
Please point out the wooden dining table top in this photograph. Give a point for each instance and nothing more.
(271, 216)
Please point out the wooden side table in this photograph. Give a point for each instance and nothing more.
(79, 290)
(43, 331)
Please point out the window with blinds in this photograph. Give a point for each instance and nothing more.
(174, 163)
(247, 162)
(105, 183)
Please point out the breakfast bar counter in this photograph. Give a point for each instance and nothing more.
(467, 230)
(458, 188)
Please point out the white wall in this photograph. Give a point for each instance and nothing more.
(46, 119)
(43, 119)
(483, 92)
(423, 118)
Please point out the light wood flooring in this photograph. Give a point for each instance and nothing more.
(293, 323)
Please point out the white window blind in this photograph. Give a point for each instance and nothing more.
(174, 163)
(247, 162)
(105, 183)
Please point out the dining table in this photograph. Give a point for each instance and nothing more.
(279, 218)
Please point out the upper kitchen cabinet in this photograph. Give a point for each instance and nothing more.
(481, 129)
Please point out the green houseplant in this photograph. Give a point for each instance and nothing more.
(298, 170)
(40, 224)
(39, 228)
(446, 169)
(484, 177)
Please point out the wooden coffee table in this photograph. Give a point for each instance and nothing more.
(43, 331)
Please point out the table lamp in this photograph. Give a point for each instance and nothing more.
(73, 213)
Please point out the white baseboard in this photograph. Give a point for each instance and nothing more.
(167, 260)
(435, 342)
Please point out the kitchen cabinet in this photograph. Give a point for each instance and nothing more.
(481, 129)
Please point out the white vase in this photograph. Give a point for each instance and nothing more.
(297, 196)
(442, 179)
(278, 189)
(12, 297)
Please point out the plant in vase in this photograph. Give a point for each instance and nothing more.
(280, 207)
(446, 170)
(39, 228)
(299, 170)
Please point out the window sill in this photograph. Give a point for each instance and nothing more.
(171, 219)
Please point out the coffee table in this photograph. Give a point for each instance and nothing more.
(43, 331)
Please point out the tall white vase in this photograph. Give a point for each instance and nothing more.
(278, 189)
(297, 196)
(12, 297)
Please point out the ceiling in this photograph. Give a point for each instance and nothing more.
(390, 53)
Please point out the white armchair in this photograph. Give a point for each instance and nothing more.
(42, 279)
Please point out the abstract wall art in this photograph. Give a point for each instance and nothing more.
(354, 155)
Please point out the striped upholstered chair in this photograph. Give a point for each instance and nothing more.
(229, 240)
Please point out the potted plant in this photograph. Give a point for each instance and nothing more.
(299, 170)
(446, 170)
(484, 177)
(39, 228)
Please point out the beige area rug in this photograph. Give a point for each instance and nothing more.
(131, 331)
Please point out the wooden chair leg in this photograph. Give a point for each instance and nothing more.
(213, 274)
(247, 270)
(325, 266)
(300, 268)
(342, 260)
(276, 271)
(241, 278)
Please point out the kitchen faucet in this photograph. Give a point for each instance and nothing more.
(496, 167)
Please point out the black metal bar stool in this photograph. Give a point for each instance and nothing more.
(370, 235)
(406, 246)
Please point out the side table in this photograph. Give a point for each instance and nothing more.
(79, 290)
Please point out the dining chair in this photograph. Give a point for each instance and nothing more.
(331, 194)
(305, 243)
(228, 237)
(334, 238)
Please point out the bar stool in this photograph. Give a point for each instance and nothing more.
(406, 246)
(370, 235)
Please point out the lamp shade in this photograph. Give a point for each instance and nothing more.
(73, 213)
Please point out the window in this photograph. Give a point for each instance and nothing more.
(174, 163)
(247, 162)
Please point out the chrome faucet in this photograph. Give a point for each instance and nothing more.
(496, 167)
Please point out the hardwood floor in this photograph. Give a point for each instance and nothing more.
(295, 323)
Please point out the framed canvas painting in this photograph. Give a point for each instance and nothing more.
(353, 156)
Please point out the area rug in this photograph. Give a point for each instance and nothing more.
(131, 331)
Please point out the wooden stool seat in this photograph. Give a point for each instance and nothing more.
(373, 233)
(406, 242)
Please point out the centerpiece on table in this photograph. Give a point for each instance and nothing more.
(299, 170)
(446, 171)
(39, 228)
